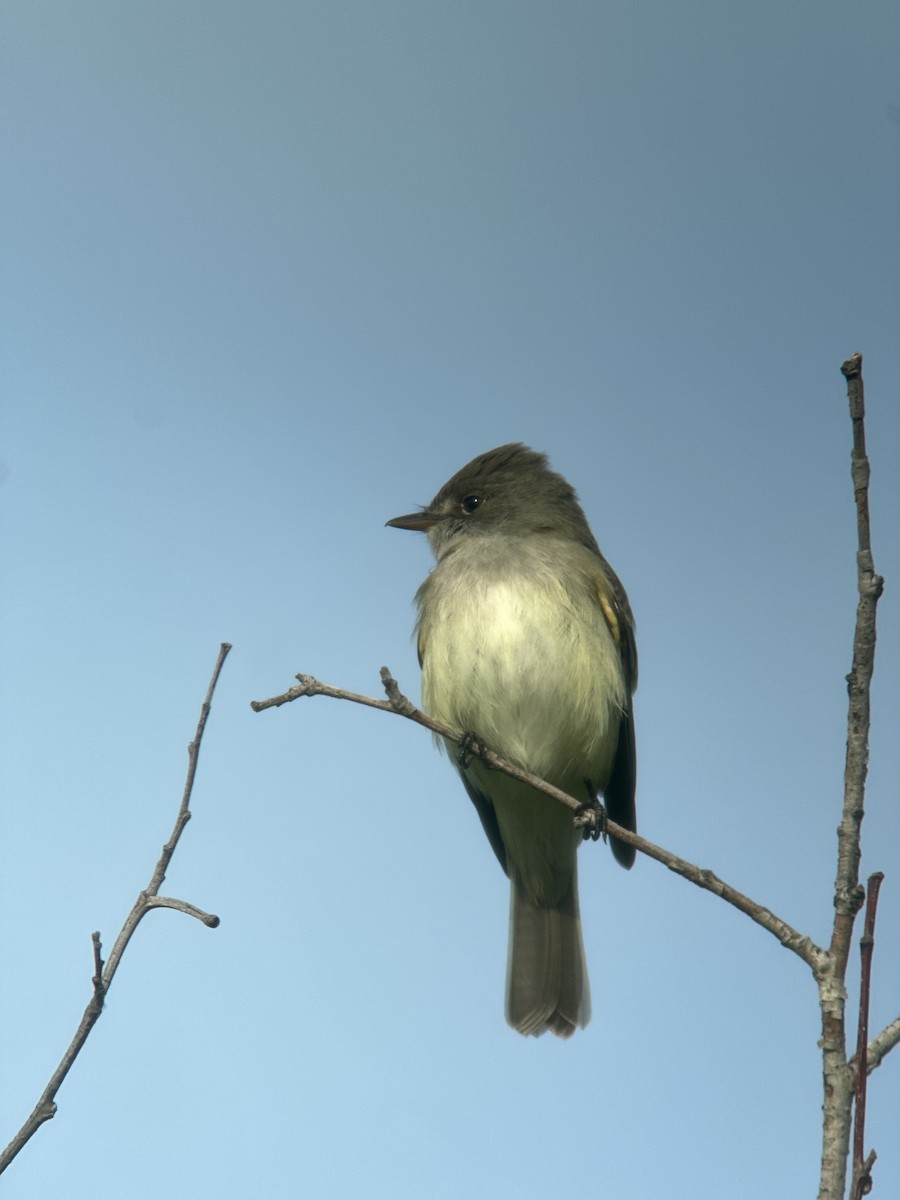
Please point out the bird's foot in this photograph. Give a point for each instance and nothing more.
(591, 819)
(470, 747)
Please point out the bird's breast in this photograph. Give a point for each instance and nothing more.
(528, 662)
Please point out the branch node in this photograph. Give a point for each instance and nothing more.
(849, 901)
(862, 1178)
(399, 702)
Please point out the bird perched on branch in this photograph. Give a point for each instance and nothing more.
(526, 639)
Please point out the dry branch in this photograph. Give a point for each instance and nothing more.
(148, 899)
(399, 704)
(839, 1075)
(862, 1166)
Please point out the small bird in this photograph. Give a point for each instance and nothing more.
(526, 640)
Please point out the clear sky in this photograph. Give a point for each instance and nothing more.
(271, 273)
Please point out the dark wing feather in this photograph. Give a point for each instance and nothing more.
(618, 795)
(485, 809)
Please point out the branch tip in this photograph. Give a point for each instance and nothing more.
(852, 367)
(97, 979)
(398, 701)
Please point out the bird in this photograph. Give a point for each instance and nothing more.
(526, 640)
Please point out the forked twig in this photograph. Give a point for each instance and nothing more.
(148, 899)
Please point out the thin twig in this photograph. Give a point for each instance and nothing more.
(45, 1108)
(838, 1074)
(880, 1046)
(145, 900)
(862, 1167)
(97, 979)
(848, 894)
(397, 703)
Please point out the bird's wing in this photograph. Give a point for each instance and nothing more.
(618, 795)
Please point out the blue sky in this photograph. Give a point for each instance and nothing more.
(273, 272)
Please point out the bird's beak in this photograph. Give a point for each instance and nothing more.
(420, 521)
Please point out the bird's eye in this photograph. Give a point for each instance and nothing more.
(470, 503)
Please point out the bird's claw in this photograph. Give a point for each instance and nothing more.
(470, 747)
(591, 819)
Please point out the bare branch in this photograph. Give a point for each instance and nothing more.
(862, 1181)
(103, 975)
(210, 920)
(848, 894)
(801, 945)
(838, 1075)
(881, 1046)
(145, 902)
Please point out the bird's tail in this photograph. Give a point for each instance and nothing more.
(546, 975)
